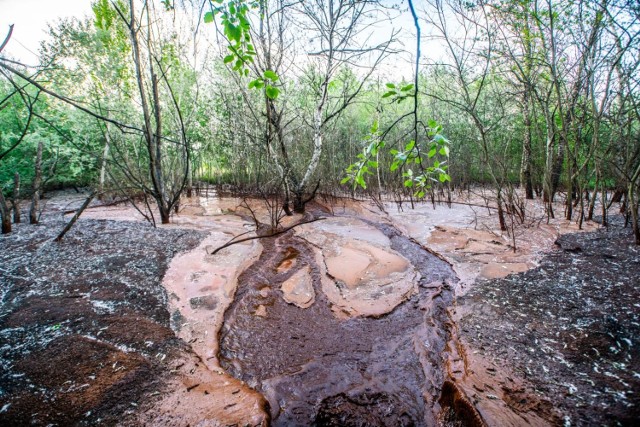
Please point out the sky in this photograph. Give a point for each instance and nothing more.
(31, 18)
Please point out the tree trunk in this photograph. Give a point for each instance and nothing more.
(16, 198)
(501, 219)
(556, 173)
(6, 214)
(75, 217)
(604, 204)
(569, 201)
(37, 183)
(103, 163)
(633, 206)
(525, 167)
(165, 214)
(298, 202)
(190, 182)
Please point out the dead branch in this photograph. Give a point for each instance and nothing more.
(102, 205)
(6, 39)
(75, 217)
(276, 233)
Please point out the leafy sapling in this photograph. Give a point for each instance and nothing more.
(234, 19)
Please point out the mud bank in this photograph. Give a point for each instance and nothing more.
(84, 329)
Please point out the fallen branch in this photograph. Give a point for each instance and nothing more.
(75, 217)
(284, 230)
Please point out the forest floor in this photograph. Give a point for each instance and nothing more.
(121, 323)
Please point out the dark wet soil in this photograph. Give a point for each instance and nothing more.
(84, 328)
(317, 370)
(570, 327)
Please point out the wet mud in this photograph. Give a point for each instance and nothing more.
(316, 368)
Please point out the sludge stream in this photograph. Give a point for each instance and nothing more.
(316, 369)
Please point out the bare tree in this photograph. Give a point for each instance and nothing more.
(37, 187)
(470, 47)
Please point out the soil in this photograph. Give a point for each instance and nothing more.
(118, 324)
(569, 328)
(83, 323)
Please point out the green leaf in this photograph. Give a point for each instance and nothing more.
(443, 177)
(233, 32)
(394, 166)
(391, 85)
(410, 146)
(408, 183)
(444, 151)
(228, 59)
(388, 94)
(208, 17)
(345, 180)
(432, 123)
(257, 84)
(440, 139)
(432, 152)
(372, 164)
(272, 92)
(407, 87)
(270, 75)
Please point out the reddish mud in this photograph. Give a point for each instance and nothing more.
(315, 368)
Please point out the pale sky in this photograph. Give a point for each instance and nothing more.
(31, 18)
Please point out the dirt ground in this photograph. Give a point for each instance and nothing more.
(86, 334)
(569, 328)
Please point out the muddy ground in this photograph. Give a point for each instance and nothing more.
(86, 335)
(570, 328)
(84, 328)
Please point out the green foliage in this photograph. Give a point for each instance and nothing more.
(233, 15)
(429, 169)
(237, 29)
(399, 93)
(266, 82)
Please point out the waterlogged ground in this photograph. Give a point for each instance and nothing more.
(362, 317)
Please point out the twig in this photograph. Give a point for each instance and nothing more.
(233, 242)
